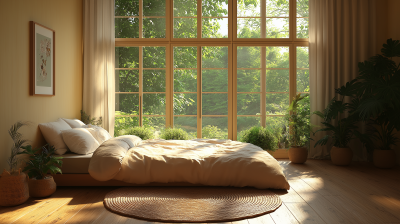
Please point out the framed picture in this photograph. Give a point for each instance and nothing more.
(42, 78)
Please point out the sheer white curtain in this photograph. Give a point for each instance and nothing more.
(342, 33)
(98, 60)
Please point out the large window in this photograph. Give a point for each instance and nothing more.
(211, 67)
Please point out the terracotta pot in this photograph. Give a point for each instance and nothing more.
(384, 158)
(43, 187)
(341, 156)
(13, 189)
(298, 154)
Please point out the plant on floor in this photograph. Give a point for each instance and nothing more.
(41, 162)
(261, 137)
(174, 134)
(298, 119)
(142, 132)
(18, 142)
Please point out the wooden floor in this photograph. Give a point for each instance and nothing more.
(320, 193)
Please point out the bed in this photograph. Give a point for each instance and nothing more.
(129, 161)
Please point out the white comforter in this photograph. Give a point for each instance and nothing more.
(200, 161)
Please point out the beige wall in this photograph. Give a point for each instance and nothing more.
(63, 16)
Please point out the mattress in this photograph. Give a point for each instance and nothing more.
(200, 161)
(75, 163)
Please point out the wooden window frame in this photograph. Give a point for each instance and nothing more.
(232, 42)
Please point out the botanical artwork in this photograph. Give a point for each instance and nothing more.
(43, 60)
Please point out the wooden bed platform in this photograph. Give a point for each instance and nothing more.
(85, 180)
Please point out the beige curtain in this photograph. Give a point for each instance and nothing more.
(342, 33)
(98, 60)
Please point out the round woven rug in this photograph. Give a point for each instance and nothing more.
(191, 204)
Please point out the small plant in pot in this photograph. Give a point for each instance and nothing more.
(298, 118)
(13, 183)
(40, 163)
(261, 137)
(341, 130)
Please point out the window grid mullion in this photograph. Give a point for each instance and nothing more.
(140, 85)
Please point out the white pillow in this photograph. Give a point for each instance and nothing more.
(52, 134)
(74, 123)
(80, 141)
(99, 133)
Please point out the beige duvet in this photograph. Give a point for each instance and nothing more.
(201, 161)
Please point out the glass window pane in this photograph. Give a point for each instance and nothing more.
(154, 27)
(244, 123)
(157, 123)
(185, 80)
(215, 104)
(277, 80)
(154, 104)
(126, 8)
(153, 80)
(302, 8)
(214, 28)
(248, 8)
(126, 27)
(153, 57)
(302, 27)
(303, 80)
(248, 28)
(215, 127)
(274, 122)
(214, 8)
(127, 103)
(127, 81)
(277, 103)
(185, 103)
(185, 7)
(215, 80)
(277, 28)
(277, 57)
(154, 7)
(248, 80)
(185, 28)
(127, 57)
(214, 57)
(248, 104)
(302, 57)
(122, 124)
(249, 57)
(189, 124)
(277, 8)
(185, 57)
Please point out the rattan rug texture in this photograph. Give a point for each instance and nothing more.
(191, 204)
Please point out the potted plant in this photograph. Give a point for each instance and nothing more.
(298, 118)
(340, 129)
(260, 137)
(39, 165)
(13, 183)
(379, 85)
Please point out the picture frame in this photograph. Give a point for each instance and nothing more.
(42, 63)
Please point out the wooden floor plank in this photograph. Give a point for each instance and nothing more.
(304, 213)
(54, 202)
(67, 211)
(264, 219)
(283, 216)
(335, 186)
(92, 211)
(326, 210)
(11, 214)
